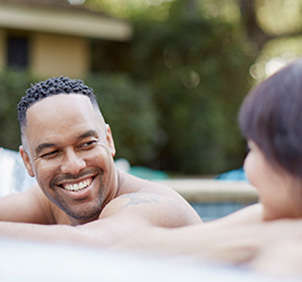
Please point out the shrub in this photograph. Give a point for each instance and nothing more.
(198, 72)
(12, 87)
(128, 108)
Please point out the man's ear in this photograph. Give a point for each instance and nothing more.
(26, 161)
(109, 140)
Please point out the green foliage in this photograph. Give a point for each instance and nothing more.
(128, 108)
(198, 71)
(12, 87)
(155, 9)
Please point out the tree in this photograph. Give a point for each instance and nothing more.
(197, 69)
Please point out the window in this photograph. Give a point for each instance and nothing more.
(17, 52)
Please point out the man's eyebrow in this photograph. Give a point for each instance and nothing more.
(43, 146)
(89, 133)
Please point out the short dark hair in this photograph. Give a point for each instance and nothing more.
(271, 116)
(50, 87)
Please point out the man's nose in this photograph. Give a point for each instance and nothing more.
(72, 163)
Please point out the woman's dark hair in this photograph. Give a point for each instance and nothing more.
(271, 116)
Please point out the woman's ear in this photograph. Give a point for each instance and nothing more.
(26, 161)
(109, 140)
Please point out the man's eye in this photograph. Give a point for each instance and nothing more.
(49, 154)
(88, 144)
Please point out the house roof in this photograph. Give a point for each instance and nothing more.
(54, 4)
(59, 16)
(40, 2)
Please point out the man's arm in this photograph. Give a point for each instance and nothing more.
(123, 215)
(129, 227)
(232, 245)
(121, 219)
(100, 233)
(30, 206)
(234, 239)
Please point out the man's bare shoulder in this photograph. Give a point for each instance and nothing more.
(157, 203)
(132, 184)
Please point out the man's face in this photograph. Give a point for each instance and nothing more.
(70, 150)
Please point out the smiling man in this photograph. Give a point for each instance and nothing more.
(69, 149)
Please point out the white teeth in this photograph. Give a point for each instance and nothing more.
(77, 186)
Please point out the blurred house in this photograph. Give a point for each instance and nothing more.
(53, 37)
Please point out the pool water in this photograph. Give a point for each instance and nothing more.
(211, 211)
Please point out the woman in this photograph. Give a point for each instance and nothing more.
(271, 120)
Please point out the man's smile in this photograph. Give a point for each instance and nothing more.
(78, 189)
(78, 185)
(81, 182)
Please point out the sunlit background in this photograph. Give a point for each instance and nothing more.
(170, 75)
